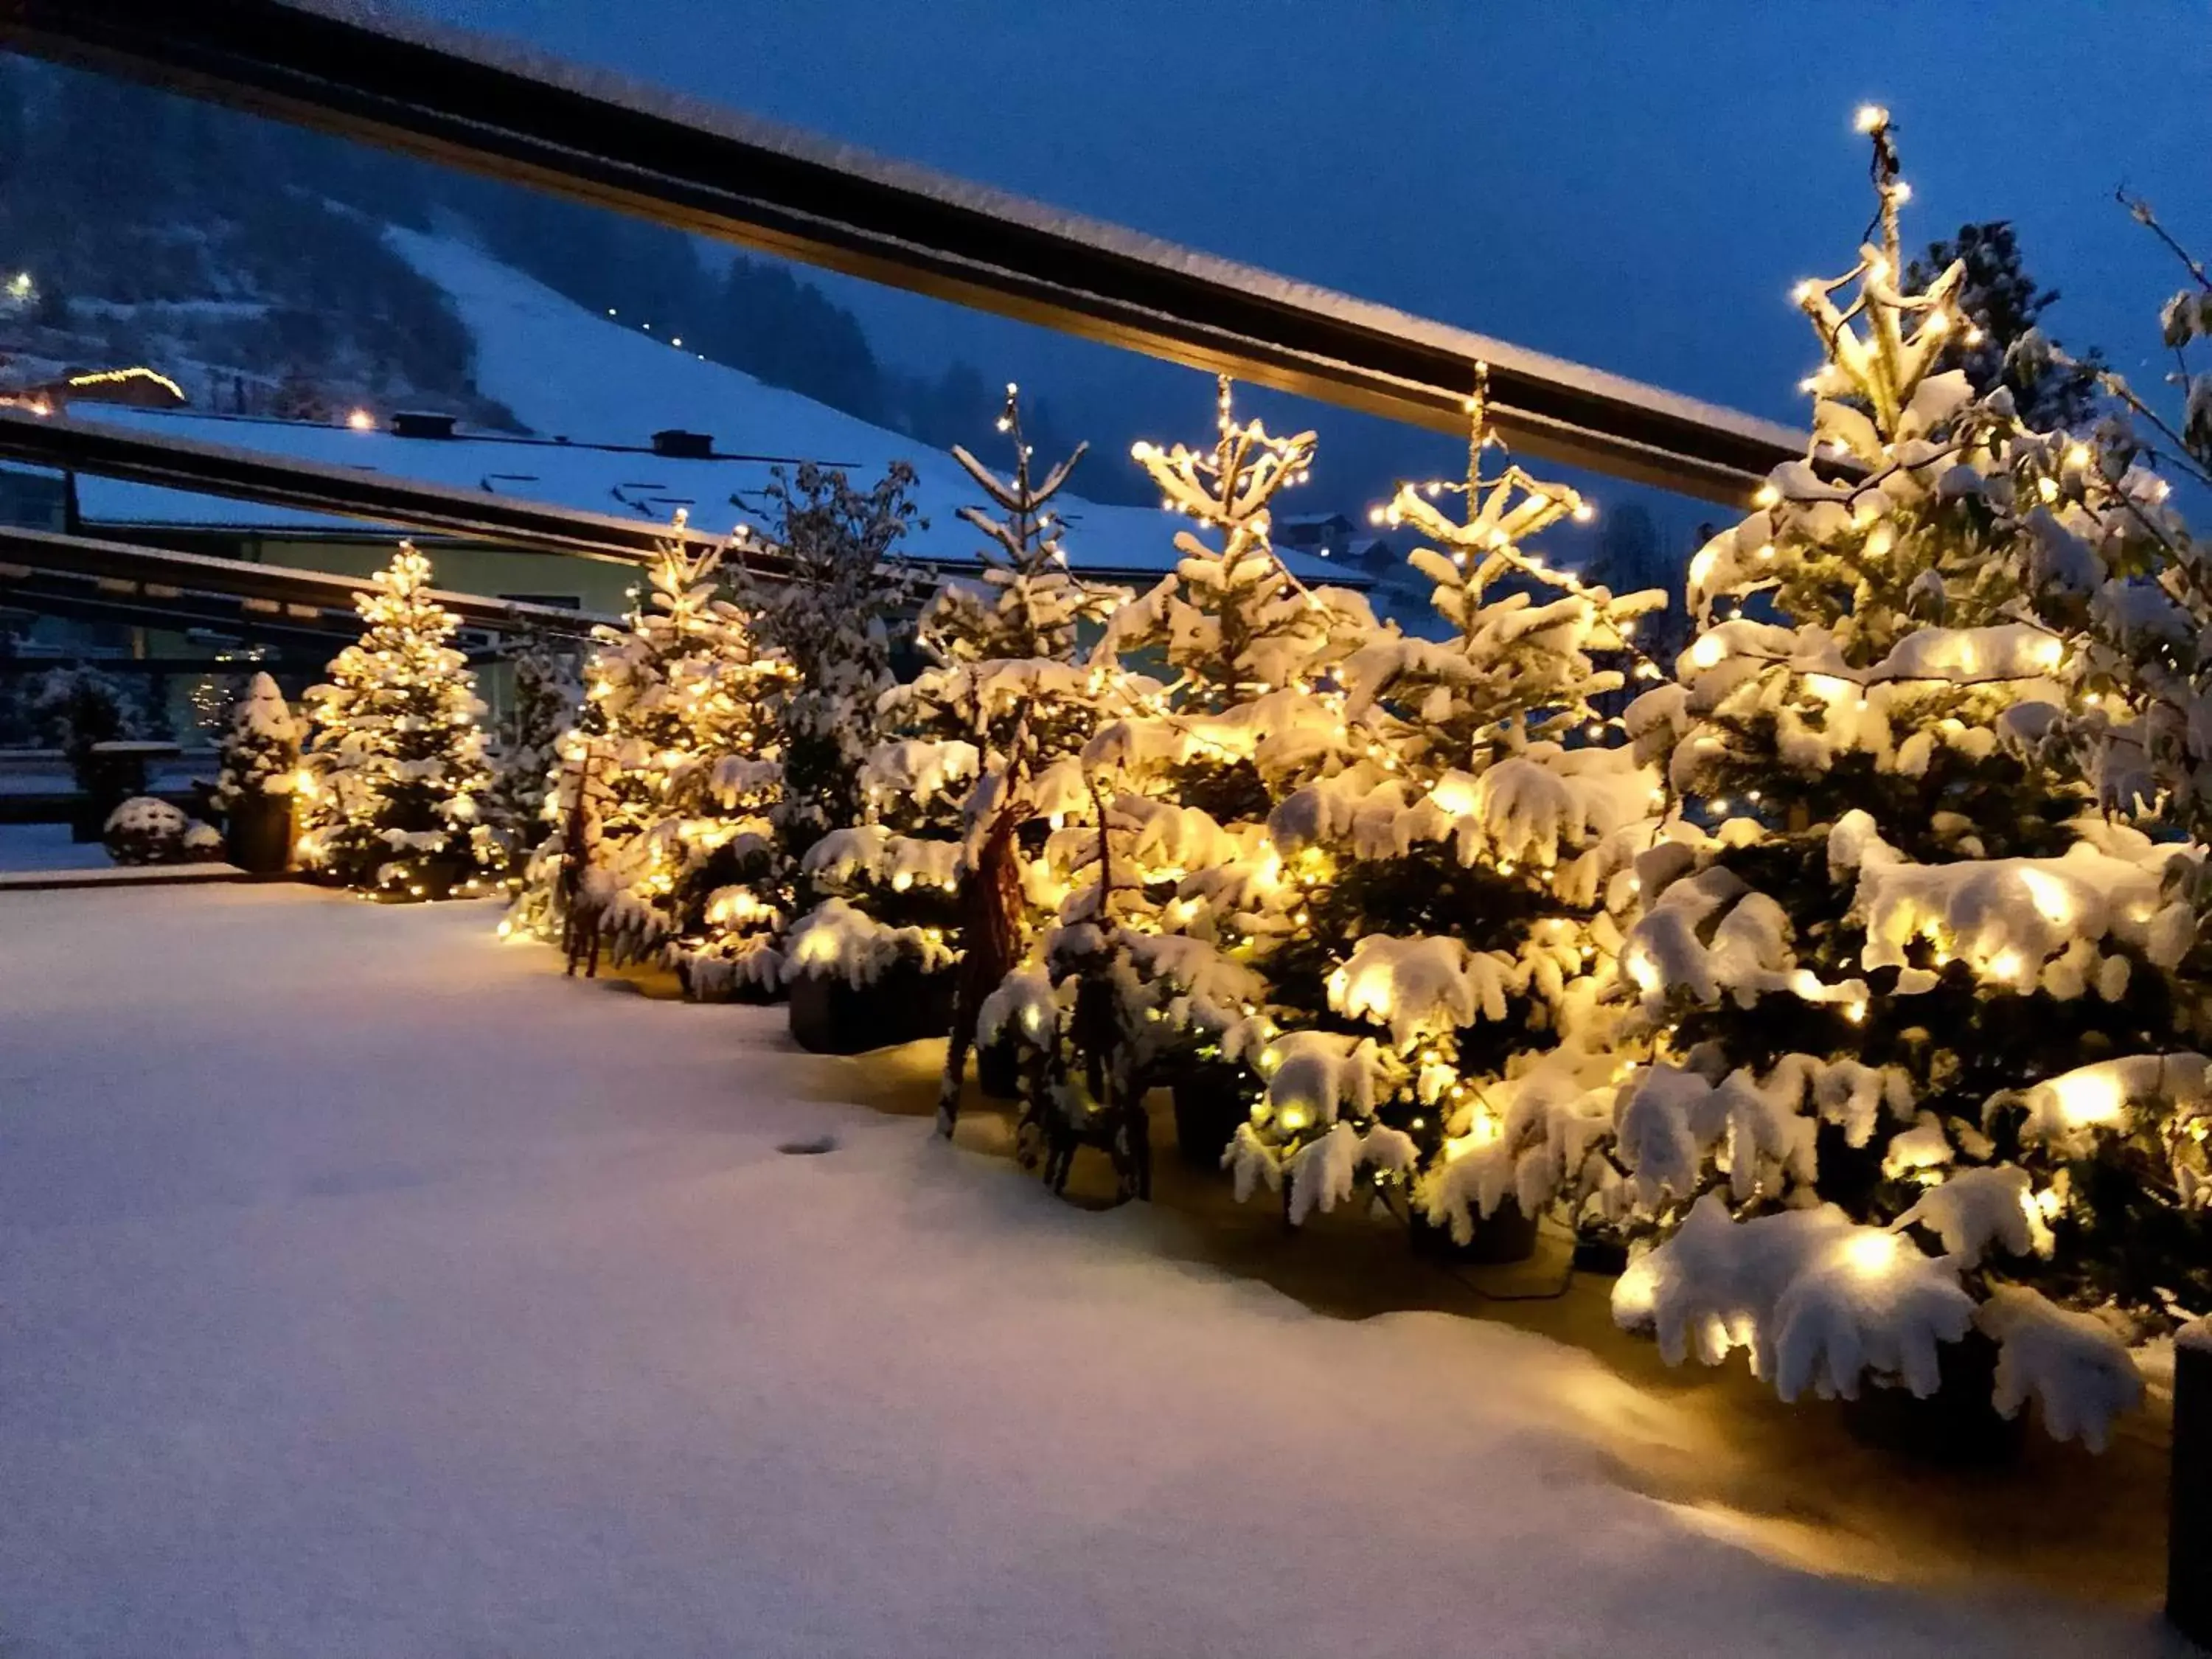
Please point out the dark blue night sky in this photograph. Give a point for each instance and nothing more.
(1635, 186)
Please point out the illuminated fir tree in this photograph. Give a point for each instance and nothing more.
(525, 750)
(1168, 892)
(980, 751)
(855, 818)
(394, 768)
(677, 756)
(1459, 886)
(1917, 1072)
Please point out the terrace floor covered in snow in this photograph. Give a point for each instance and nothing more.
(370, 1288)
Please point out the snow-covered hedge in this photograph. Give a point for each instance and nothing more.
(145, 829)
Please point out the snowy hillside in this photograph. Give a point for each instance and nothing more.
(566, 373)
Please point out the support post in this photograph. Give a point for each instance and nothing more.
(2188, 1534)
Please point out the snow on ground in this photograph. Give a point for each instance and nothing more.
(372, 1290)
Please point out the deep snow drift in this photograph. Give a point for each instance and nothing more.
(371, 1290)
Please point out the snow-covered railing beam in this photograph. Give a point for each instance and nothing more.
(349, 492)
(53, 593)
(498, 109)
(128, 570)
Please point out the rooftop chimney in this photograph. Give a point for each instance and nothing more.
(418, 424)
(681, 446)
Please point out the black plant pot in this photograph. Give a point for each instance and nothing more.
(829, 1017)
(104, 783)
(258, 839)
(1504, 1235)
(88, 816)
(1956, 1427)
(1208, 1107)
(1600, 1253)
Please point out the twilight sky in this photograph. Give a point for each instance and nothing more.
(1629, 184)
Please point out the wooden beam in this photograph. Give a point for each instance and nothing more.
(128, 570)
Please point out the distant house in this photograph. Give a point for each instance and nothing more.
(22, 386)
(1328, 536)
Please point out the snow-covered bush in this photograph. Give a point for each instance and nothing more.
(146, 830)
(74, 708)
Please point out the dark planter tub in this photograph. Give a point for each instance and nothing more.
(829, 1017)
(1504, 1235)
(258, 838)
(1955, 1426)
(1600, 1254)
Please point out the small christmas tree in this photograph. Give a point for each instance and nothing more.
(832, 617)
(261, 749)
(999, 716)
(665, 789)
(1916, 1072)
(525, 755)
(395, 765)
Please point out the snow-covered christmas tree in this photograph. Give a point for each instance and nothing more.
(261, 749)
(395, 765)
(1919, 1093)
(982, 745)
(661, 842)
(1167, 889)
(832, 615)
(1458, 885)
(2119, 571)
(829, 612)
(543, 695)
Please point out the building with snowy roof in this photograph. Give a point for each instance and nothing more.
(619, 421)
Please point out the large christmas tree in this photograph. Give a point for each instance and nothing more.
(1918, 1091)
(395, 765)
(1168, 893)
(1459, 884)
